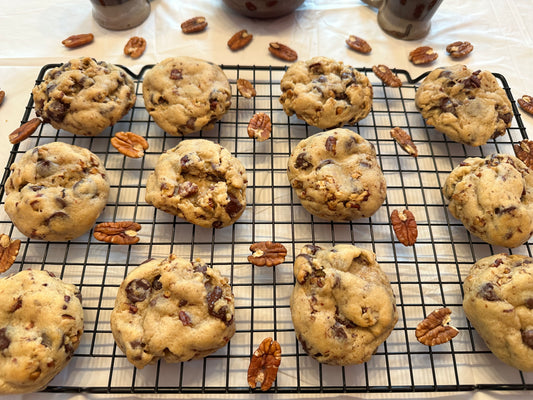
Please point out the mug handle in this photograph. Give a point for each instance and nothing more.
(374, 3)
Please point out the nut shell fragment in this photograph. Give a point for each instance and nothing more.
(123, 232)
(434, 329)
(267, 253)
(8, 251)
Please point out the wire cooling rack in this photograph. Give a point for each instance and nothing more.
(424, 277)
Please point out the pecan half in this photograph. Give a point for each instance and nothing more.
(240, 40)
(358, 44)
(135, 47)
(459, 49)
(129, 144)
(196, 24)
(78, 40)
(267, 253)
(435, 329)
(8, 251)
(404, 226)
(245, 88)
(2, 95)
(260, 127)
(526, 104)
(282, 52)
(422, 55)
(264, 364)
(524, 151)
(123, 232)
(386, 75)
(404, 140)
(24, 131)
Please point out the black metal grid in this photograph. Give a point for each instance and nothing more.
(424, 277)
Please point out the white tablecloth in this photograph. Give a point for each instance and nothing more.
(31, 32)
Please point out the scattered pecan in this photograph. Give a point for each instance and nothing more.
(404, 226)
(264, 364)
(358, 44)
(386, 75)
(78, 40)
(24, 131)
(282, 52)
(526, 103)
(123, 232)
(459, 49)
(245, 88)
(2, 95)
(422, 55)
(524, 151)
(267, 253)
(135, 47)
(260, 127)
(435, 329)
(8, 251)
(195, 24)
(129, 144)
(240, 40)
(404, 140)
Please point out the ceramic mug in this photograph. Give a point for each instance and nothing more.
(120, 14)
(405, 19)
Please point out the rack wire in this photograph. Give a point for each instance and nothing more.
(424, 277)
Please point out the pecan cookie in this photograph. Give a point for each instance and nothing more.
(41, 322)
(56, 191)
(84, 96)
(336, 175)
(468, 107)
(493, 198)
(199, 181)
(498, 302)
(342, 305)
(172, 309)
(185, 94)
(326, 93)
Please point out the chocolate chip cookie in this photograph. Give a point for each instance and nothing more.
(326, 93)
(185, 94)
(41, 322)
(336, 175)
(493, 198)
(199, 181)
(56, 191)
(342, 304)
(84, 96)
(468, 107)
(172, 309)
(498, 302)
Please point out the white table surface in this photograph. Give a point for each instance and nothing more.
(31, 32)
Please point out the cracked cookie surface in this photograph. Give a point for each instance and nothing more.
(342, 304)
(498, 302)
(172, 309)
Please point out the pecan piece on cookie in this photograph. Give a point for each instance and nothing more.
(123, 232)
(526, 103)
(358, 44)
(245, 88)
(422, 55)
(267, 253)
(8, 251)
(435, 329)
(129, 144)
(135, 47)
(240, 40)
(524, 152)
(264, 364)
(459, 49)
(260, 127)
(78, 40)
(404, 225)
(282, 52)
(24, 131)
(404, 140)
(388, 77)
(192, 25)
(2, 95)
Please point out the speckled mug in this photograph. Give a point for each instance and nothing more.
(120, 14)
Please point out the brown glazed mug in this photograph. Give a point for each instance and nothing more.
(120, 14)
(405, 19)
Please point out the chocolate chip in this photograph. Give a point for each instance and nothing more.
(156, 284)
(338, 331)
(183, 303)
(472, 81)
(316, 68)
(137, 290)
(56, 215)
(527, 338)
(185, 162)
(331, 144)
(4, 340)
(198, 267)
(507, 210)
(16, 305)
(487, 292)
(529, 303)
(185, 318)
(312, 248)
(446, 105)
(190, 123)
(323, 164)
(187, 189)
(301, 162)
(57, 111)
(507, 117)
(46, 340)
(212, 297)
(176, 74)
(233, 207)
(136, 343)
